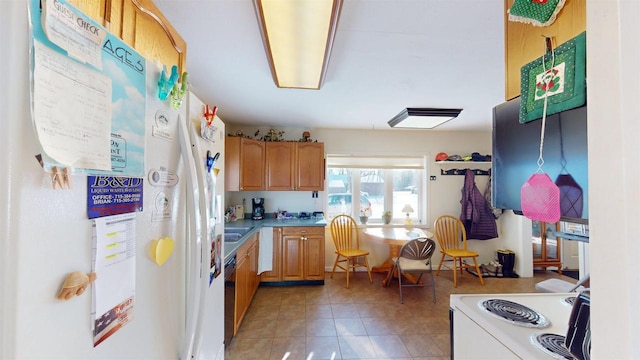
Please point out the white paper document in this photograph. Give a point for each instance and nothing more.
(72, 110)
(74, 32)
(115, 266)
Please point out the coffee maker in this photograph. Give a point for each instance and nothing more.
(258, 208)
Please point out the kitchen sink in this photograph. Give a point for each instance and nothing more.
(233, 234)
(232, 237)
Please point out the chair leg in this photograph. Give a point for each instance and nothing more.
(478, 271)
(433, 286)
(455, 272)
(348, 270)
(399, 282)
(440, 265)
(335, 263)
(366, 262)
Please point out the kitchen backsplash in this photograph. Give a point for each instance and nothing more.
(290, 201)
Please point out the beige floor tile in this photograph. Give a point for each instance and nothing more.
(421, 345)
(265, 312)
(356, 347)
(389, 346)
(257, 328)
(319, 311)
(294, 311)
(320, 327)
(289, 328)
(379, 326)
(293, 299)
(288, 348)
(323, 347)
(344, 311)
(249, 349)
(349, 326)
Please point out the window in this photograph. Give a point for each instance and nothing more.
(364, 185)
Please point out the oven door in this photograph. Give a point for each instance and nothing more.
(578, 339)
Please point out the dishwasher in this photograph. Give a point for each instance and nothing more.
(229, 299)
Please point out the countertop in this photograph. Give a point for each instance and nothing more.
(230, 248)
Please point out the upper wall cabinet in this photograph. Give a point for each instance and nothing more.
(244, 164)
(294, 166)
(280, 164)
(142, 26)
(525, 42)
(310, 166)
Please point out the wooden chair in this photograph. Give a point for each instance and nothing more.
(452, 238)
(415, 258)
(346, 239)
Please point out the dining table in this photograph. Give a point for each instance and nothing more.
(394, 237)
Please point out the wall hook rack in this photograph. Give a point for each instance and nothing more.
(462, 172)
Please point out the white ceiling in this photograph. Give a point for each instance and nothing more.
(387, 55)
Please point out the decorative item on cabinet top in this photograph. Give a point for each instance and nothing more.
(273, 135)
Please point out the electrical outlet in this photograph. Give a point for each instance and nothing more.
(432, 177)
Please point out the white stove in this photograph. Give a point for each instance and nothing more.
(508, 326)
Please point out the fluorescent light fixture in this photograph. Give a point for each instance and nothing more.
(423, 118)
(298, 36)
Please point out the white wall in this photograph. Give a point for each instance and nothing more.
(443, 194)
(613, 82)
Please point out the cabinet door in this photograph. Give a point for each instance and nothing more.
(303, 253)
(95, 9)
(292, 265)
(254, 278)
(310, 166)
(141, 25)
(232, 163)
(314, 256)
(242, 269)
(275, 275)
(525, 42)
(251, 164)
(280, 161)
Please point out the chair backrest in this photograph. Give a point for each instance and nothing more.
(418, 249)
(344, 231)
(450, 233)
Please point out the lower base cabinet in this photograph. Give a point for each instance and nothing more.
(298, 254)
(247, 279)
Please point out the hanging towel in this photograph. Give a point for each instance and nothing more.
(476, 213)
(265, 250)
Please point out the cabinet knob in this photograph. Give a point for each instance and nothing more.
(303, 238)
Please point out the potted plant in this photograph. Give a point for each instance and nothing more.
(386, 217)
(364, 215)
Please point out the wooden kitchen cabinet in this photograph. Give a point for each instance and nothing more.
(142, 26)
(302, 253)
(244, 164)
(280, 165)
(294, 166)
(310, 170)
(525, 42)
(247, 279)
(275, 275)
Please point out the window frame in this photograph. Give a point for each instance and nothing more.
(387, 165)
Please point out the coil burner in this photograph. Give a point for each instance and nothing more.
(514, 313)
(552, 344)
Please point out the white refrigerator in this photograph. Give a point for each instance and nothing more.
(45, 234)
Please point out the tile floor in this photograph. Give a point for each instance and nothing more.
(365, 321)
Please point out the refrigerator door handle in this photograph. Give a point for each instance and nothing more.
(204, 220)
(194, 249)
